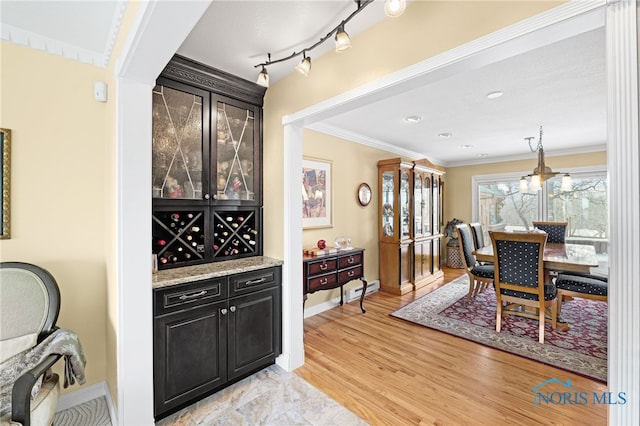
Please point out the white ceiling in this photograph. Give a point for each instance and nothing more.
(561, 86)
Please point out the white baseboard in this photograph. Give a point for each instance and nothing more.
(85, 394)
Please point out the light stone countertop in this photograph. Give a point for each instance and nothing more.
(168, 277)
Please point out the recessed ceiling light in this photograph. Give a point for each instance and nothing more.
(445, 135)
(413, 118)
(466, 146)
(494, 95)
(484, 154)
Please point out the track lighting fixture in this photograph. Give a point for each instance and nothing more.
(392, 8)
(343, 42)
(304, 66)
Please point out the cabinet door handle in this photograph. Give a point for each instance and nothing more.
(207, 196)
(350, 260)
(232, 308)
(252, 282)
(223, 311)
(191, 296)
(351, 273)
(323, 281)
(324, 267)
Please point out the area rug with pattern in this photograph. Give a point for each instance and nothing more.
(582, 349)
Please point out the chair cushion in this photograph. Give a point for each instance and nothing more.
(485, 271)
(582, 284)
(550, 293)
(43, 406)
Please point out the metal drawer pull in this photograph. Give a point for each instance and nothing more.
(351, 273)
(232, 309)
(252, 282)
(223, 311)
(323, 281)
(324, 267)
(191, 296)
(351, 259)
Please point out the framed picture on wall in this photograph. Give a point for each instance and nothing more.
(317, 193)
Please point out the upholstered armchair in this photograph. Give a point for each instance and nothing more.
(480, 276)
(29, 307)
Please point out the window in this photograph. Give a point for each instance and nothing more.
(498, 205)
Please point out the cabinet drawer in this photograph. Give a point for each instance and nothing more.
(187, 296)
(350, 274)
(254, 280)
(322, 267)
(350, 260)
(322, 282)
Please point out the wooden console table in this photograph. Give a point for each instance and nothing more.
(334, 270)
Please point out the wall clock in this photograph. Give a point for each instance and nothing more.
(364, 194)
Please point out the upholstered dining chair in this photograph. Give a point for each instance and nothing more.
(556, 231)
(478, 235)
(480, 276)
(519, 279)
(29, 306)
(582, 285)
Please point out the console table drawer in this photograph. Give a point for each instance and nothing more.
(350, 260)
(350, 274)
(322, 267)
(321, 282)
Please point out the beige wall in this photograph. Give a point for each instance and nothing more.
(458, 179)
(63, 160)
(59, 193)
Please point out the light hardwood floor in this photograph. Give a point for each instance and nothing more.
(392, 372)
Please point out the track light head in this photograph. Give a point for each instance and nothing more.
(394, 8)
(343, 42)
(263, 78)
(304, 66)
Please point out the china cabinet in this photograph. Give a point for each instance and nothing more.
(410, 195)
(206, 165)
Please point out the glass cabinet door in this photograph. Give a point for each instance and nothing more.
(180, 143)
(236, 152)
(388, 184)
(436, 205)
(426, 207)
(418, 205)
(404, 204)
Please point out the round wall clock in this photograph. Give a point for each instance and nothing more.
(364, 194)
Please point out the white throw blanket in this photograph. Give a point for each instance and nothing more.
(61, 341)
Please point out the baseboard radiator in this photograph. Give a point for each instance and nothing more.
(355, 293)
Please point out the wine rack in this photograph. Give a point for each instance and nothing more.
(178, 237)
(235, 233)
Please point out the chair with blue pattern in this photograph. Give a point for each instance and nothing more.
(556, 231)
(582, 285)
(519, 279)
(480, 276)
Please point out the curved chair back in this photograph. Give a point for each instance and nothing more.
(556, 231)
(466, 245)
(29, 306)
(478, 235)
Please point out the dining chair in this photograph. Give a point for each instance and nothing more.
(480, 276)
(556, 231)
(519, 279)
(478, 235)
(582, 285)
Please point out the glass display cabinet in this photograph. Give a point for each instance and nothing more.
(409, 223)
(206, 165)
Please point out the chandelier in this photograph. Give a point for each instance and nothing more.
(541, 173)
(392, 8)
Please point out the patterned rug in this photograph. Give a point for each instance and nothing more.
(582, 349)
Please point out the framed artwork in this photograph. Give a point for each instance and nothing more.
(317, 195)
(5, 145)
